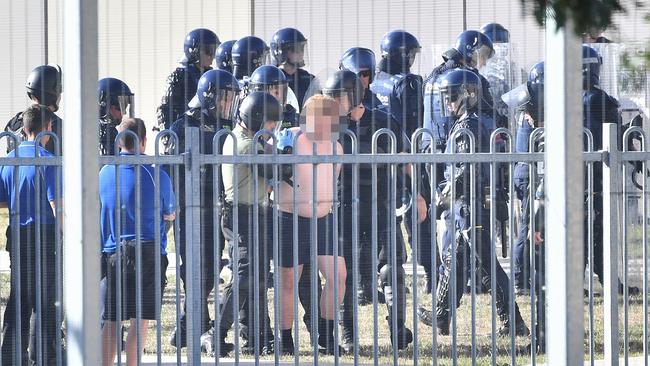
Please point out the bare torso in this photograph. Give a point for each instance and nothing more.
(303, 178)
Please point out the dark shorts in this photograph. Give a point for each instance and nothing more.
(324, 238)
(128, 280)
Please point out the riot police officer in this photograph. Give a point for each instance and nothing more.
(212, 109)
(529, 104)
(346, 87)
(44, 87)
(471, 52)
(501, 70)
(115, 101)
(271, 79)
(248, 54)
(288, 51)
(395, 85)
(598, 108)
(460, 91)
(199, 49)
(223, 57)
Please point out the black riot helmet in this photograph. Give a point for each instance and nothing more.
(114, 92)
(358, 59)
(288, 40)
(535, 85)
(44, 84)
(257, 109)
(346, 86)
(270, 79)
(218, 94)
(591, 62)
(223, 57)
(197, 41)
(248, 54)
(496, 32)
(474, 46)
(398, 51)
(459, 86)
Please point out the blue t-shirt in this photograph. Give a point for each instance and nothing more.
(107, 193)
(27, 186)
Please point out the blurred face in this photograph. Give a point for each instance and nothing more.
(322, 125)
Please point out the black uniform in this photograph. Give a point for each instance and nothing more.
(372, 120)
(460, 235)
(15, 125)
(181, 88)
(208, 126)
(299, 82)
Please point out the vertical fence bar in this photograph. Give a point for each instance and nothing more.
(80, 175)
(611, 197)
(564, 212)
(193, 275)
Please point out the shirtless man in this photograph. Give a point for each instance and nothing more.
(318, 126)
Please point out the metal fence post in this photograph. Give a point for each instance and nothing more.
(611, 201)
(80, 163)
(564, 195)
(193, 275)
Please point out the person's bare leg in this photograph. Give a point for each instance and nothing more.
(109, 343)
(287, 295)
(326, 266)
(132, 350)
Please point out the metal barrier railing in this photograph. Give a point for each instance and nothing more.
(267, 222)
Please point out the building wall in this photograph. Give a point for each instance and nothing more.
(141, 41)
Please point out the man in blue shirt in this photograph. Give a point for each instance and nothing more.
(36, 118)
(126, 236)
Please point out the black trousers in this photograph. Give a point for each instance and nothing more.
(18, 320)
(208, 255)
(364, 255)
(245, 274)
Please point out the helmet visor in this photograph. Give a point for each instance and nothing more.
(517, 97)
(296, 53)
(208, 49)
(279, 91)
(450, 103)
(126, 103)
(225, 104)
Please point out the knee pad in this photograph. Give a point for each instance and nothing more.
(386, 275)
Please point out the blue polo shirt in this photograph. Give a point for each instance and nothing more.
(27, 187)
(107, 194)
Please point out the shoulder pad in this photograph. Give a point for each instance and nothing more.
(16, 123)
